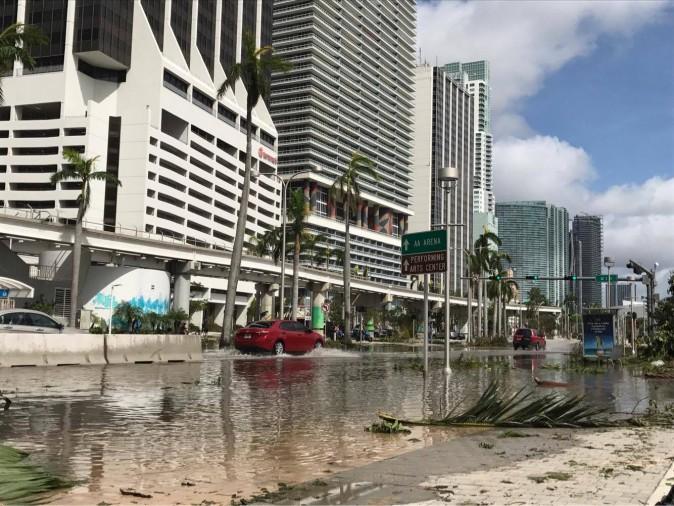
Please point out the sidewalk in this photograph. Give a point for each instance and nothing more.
(616, 467)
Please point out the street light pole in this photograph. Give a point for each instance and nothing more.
(284, 188)
(448, 175)
(112, 287)
(608, 262)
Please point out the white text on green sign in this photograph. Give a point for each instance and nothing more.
(424, 242)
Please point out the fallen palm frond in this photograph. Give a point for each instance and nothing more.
(22, 482)
(497, 409)
(388, 427)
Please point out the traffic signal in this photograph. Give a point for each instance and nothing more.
(638, 269)
(571, 277)
(534, 277)
(496, 277)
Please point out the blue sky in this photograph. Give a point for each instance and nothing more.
(617, 103)
(582, 102)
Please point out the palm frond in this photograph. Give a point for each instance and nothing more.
(16, 42)
(24, 483)
(497, 408)
(105, 176)
(67, 173)
(233, 76)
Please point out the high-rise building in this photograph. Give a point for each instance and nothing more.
(135, 84)
(443, 137)
(536, 236)
(587, 245)
(558, 253)
(620, 292)
(475, 77)
(350, 89)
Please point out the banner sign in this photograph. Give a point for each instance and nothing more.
(598, 335)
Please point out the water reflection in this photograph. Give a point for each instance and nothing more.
(240, 422)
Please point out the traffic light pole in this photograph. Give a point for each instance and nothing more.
(648, 278)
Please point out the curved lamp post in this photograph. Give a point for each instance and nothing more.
(285, 182)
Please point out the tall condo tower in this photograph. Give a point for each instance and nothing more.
(350, 89)
(536, 236)
(475, 77)
(443, 136)
(588, 242)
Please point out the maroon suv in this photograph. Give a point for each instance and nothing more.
(277, 336)
(528, 338)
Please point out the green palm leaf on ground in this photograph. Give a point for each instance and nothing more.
(497, 408)
(25, 483)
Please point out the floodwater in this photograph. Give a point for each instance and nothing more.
(234, 423)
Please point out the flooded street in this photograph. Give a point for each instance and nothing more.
(233, 423)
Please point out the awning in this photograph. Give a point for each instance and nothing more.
(12, 288)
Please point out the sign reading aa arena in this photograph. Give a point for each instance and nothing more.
(598, 335)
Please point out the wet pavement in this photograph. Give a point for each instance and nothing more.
(233, 424)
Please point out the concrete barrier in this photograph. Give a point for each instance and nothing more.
(148, 348)
(20, 350)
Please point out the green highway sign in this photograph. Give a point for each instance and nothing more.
(424, 263)
(431, 241)
(604, 278)
(424, 252)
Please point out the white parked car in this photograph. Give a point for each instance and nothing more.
(28, 320)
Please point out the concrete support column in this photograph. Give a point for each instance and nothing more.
(266, 305)
(317, 300)
(359, 214)
(332, 209)
(366, 220)
(389, 222)
(181, 287)
(240, 315)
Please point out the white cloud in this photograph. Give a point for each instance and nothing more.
(524, 41)
(638, 217)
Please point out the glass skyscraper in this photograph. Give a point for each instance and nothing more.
(587, 246)
(536, 236)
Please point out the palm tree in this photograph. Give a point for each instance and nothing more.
(317, 254)
(268, 245)
(534, 303)
(16, 41)
(495, 269)
(297, 211)
(347, 189)
(128, 314)
(84, 170)
(484, 244)
(509, 289)
(254, 71)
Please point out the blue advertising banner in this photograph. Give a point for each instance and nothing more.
(598, 335)
(4, 293)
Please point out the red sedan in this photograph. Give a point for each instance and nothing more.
(277, 336)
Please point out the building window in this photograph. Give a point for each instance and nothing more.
(175, 84)
(181, 23)
(49, 16)
(206, 32)
(322, 201)
(202, 100)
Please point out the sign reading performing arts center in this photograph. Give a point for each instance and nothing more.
(424, 252)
